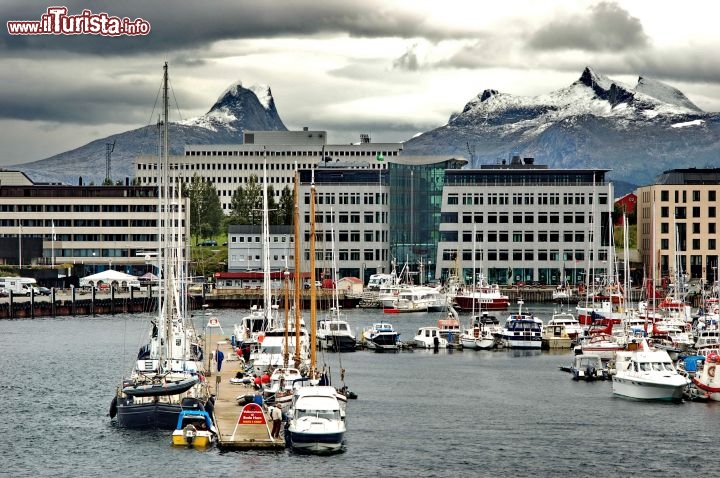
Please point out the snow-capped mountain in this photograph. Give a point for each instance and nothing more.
(236, 110)
(637, 132)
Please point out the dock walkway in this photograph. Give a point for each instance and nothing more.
(232, 434)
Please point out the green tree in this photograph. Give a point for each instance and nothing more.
(287, 206)
(246, 202)
(206, 214)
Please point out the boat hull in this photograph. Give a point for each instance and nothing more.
(474, 303)
(338, 343)
(316, 442)
(200, 439)
(515, 342)
(151, 416)
(646, 390)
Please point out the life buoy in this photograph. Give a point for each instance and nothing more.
(716, 310)
(711, 371)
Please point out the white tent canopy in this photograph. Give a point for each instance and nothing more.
(112, 277)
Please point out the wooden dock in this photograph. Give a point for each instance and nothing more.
(232, 434)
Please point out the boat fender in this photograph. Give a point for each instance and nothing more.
(113, 407)
(711, 371)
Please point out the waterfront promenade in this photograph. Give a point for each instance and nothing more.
(64, 302)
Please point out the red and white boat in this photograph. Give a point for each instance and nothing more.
(483, 296)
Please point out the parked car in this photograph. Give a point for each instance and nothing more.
(4, 293)
(208, 242)
(42, 291)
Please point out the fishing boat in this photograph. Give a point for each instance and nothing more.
(168, 375)
(647, 374)
(194, 429)
(481, 296)
(316, 421)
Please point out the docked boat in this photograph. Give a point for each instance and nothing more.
(194, 429)
(602, 344)
(482, 333)
(413, 299)
(168, 375)
(522, 331)
(647, 374)
(316, 420)
(588, 368)
(572, 325)
(381, 337)
(483, 296)
(429, 337)
(556, 337)
(334, 333)
(706, 378)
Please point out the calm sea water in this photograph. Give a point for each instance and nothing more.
(452, 413)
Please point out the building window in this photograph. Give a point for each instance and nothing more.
(696, 195)
(711, 195)
(696, 211)
(664, 244)
(711, 211)
(664, 227)
(696, 244)
(711, 244)
(696, 228)
(664, 195)
(664, 211)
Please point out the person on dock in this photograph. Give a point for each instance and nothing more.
(276, 417)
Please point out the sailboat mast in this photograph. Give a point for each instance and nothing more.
(313, 291)
(164, 178)
(296, 220)
(266, 247)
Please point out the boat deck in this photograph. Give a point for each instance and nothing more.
(231, 434)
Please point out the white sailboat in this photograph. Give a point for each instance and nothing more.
(254, 327)
(168, 375)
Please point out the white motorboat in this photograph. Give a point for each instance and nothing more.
(522, 331)
(572, 325)
(647, 374)
(381, 337)
(334, 333)
(429, 337)
(316, 420)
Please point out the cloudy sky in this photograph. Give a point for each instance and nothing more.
(390, 68)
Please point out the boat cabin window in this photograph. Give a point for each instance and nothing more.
(645, 367)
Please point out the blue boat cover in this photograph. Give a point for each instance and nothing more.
(691, 362)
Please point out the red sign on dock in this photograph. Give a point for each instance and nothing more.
(252, 414)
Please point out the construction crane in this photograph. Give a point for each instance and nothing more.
(108, 151)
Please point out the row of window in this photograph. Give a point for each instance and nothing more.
(681, 196)
(491, 198)
(480, 217)
(121, 208)
(293, 153)
(680, 212)
(515, 236)
(62, 223)
(523, 255)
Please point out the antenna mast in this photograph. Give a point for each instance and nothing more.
(109, 148)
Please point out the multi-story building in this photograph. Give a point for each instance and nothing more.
(279, 153)
(522, 222)
(677, 224)
(91, 227)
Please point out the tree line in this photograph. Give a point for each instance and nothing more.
(207, 218)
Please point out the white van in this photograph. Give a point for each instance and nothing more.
(18, 285)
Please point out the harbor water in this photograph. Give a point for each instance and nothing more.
(418, 413)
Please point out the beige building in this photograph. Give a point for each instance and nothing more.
(677, 225)
(92, 228)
